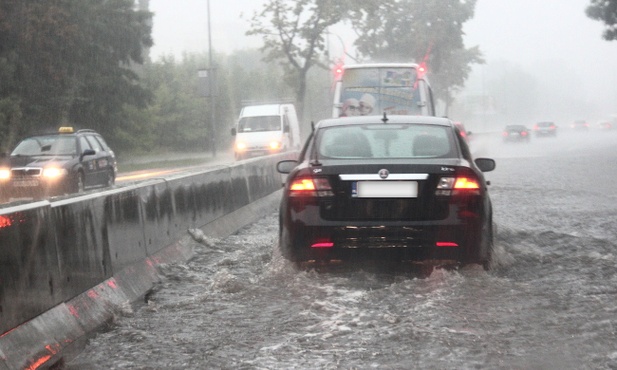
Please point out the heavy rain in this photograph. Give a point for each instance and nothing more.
(549, 299)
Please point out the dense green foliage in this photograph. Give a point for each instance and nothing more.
(178, 118)
(69, 62)
(605, 11)
(84, 64)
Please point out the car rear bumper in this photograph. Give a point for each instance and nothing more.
(458, 238)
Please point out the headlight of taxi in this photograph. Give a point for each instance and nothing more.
(275, 145)
(52, 173)
(5, 173)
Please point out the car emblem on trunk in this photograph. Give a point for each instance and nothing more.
(384, 174)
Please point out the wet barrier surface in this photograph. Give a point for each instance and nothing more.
(66, 265)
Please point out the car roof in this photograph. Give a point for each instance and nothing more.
(394, 119)
(381, 65)
(61, 134)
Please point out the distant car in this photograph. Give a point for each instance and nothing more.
(545, 129)
(516, 133)
(59, 163)
(580, 125)
(605, 125)
(399, 187)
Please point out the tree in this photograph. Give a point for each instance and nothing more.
(605, 11)
(294, 33)
(69, 62)
(422, 31)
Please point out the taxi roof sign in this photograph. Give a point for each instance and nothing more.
(65, 130)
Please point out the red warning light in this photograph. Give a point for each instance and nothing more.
(422, 70)
(338, 71)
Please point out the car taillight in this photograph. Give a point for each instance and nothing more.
(310, 187)
(466, 183)
(446, 244)
(323, 244)
(505, 133)
(524, 133)
(448, 186)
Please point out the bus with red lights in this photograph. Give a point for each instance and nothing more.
(378, 88)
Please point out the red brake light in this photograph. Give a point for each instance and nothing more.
(451, 186)
(310, 187)
(302, 185)
(466, 183)
(323, 245)
(446, 244)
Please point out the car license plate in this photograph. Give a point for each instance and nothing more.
(25, 183)
(385, 189)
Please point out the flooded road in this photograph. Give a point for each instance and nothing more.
(550, 301)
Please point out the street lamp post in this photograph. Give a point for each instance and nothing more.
(211, 91)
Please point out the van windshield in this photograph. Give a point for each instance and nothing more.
(259, 124)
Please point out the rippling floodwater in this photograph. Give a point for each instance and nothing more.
(549, 303)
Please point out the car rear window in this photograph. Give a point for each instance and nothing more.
(386, 141)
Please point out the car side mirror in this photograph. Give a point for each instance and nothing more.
(286, 166)
(233, 131)
(485, 164)
(86, 153)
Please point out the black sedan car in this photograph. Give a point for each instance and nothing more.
(516, 133)
(64, 162)
(402, 187)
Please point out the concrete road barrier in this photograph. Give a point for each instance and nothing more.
(68, 266)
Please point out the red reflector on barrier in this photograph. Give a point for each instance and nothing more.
(323, 245)
(446, 244)
(5, 221)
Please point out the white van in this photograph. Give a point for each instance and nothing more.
(266, 129)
